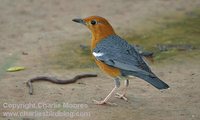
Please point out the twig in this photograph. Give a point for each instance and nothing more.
(55, 80)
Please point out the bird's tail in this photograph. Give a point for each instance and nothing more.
(153, 80)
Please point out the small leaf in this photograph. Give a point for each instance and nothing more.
(16, 68)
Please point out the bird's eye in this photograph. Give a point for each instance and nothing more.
(93, 22)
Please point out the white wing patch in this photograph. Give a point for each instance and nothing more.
(97, 54)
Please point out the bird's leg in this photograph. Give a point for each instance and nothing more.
(117, 84)
(122, 96)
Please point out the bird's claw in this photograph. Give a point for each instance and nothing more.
(121, 96)
(103, 102)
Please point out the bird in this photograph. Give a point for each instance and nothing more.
(117, 58)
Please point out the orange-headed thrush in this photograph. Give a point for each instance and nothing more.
(116, 57)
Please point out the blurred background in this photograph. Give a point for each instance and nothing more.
(40, 36)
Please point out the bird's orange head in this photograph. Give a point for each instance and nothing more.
(99, 27)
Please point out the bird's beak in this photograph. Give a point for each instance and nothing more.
(78, 20)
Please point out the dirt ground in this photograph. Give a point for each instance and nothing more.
(38, 28)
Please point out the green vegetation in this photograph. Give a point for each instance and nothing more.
(183, 30)
(9, 61)
(71, 55)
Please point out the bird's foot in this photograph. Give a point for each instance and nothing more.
(121, 96)
(103, 102)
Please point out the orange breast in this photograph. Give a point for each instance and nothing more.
(113, 72)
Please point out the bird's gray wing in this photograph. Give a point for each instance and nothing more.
(116, 52)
